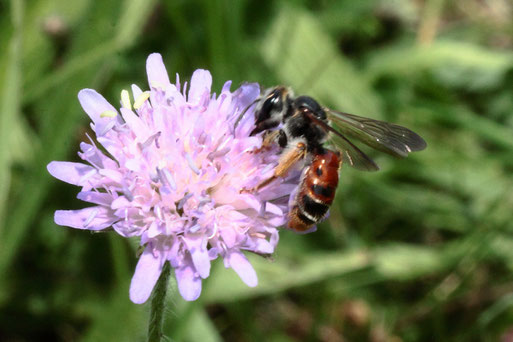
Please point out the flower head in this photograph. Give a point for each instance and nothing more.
(169, 170)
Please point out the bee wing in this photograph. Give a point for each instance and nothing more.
(351, 154)
(383, 136)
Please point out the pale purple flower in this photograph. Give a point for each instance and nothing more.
(170, 171)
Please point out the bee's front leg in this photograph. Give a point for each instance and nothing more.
(268, 139)
(288, 159)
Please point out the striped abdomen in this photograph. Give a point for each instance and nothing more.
(316, 192)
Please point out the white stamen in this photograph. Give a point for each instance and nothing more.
(193, 166)
(141, 99)
(218, 153)
(128, 194)
(223, 246)
(224, 142)
(90, 218)
(108, 114)
(154, 176)
(125, 99)
(202, 138)
(181, 203)
(257, 235)
(157, 144)
(169, 178)
(158, 212)
(194, 228)
(184, 88)
(214, 233)
(262, 209)
(149, 141)
(203, 202)
(166, 178)
(177, 82)
(107, 127)
(85, 177)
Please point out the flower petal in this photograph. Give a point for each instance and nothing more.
(226, 87)
(136, 91)
(238, 262)
(135, 123)
(94, 105)
(246, 94)
(263, 246)
(197, 246)
(95, 157)
(72, 173)
(95, 197)
(201, 82)
(146, 274)
(93, 218)
(157, 73)
(189, 284)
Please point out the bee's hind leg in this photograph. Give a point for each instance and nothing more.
(288, 159)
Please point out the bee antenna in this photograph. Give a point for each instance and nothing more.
(244, 112)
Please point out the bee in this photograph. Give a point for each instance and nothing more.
(302, 127)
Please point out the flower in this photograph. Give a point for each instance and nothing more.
(169, 170)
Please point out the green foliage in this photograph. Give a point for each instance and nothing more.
(420, 251)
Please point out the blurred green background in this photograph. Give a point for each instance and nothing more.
(420, 251)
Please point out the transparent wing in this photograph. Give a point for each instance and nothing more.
(383, 136)
(351, 154)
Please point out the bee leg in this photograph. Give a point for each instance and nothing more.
(268, 140)
(287, 160)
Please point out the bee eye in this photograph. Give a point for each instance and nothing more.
(271, 106)
(309, 104)
(273, 103)
(320, 114)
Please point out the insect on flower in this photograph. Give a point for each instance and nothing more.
(301, 127)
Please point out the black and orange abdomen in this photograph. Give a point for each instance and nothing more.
(317, 190)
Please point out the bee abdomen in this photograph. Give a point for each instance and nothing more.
(306, 212)
(299, 221)
(313, 208)
(316, 192)
(321, 193)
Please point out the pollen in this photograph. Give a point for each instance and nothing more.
(125, 99)
(108, 114)
(141, 99)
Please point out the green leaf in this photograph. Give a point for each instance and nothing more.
(457, 64)
(60, 115)
(399, 261)
(304, 56)
(201, 328)
(280, 275)
(117, 319)
(10, 105)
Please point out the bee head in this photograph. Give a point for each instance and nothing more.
(271, 108)
(309, 104)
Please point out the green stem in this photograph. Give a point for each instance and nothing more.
(157, 305)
